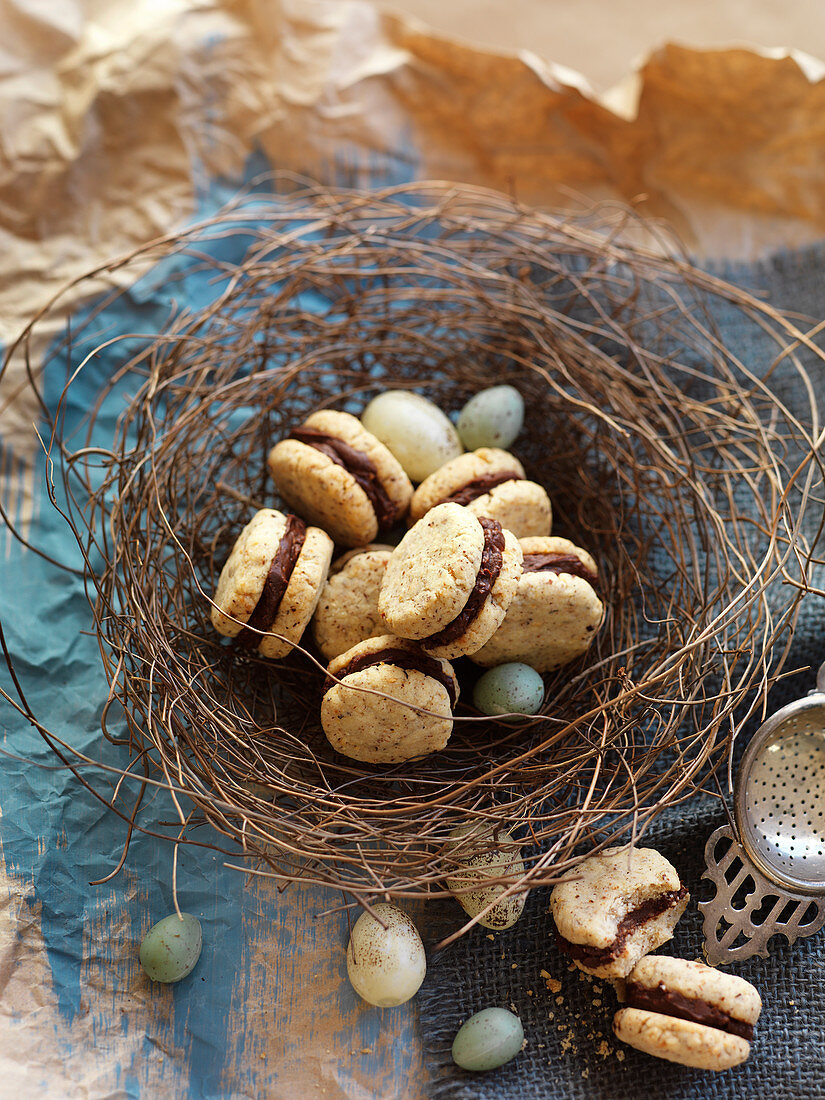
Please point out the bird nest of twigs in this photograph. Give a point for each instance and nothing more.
(673, 462)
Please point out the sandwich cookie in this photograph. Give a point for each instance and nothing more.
(271, 582)
(555, 612)
(450, 581)
(622, 904)
(490, 483)
(335, 473)
(347, 612)
(384, 730)
(688, 1013)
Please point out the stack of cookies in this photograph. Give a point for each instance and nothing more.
(624, 903)
(476, 575)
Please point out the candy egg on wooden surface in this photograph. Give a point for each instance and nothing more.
(171, 948)
(509, 688)
(386, 966)
(415, 430)
(493, 418)
(477, 857)
(488, 1040)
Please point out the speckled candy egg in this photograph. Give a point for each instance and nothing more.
(488, 1040)
(414, 429)
(514, 687)
(171, 948)
(476, 866)
(493, 418)
(386, 966)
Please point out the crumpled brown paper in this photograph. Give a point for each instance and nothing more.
(114, 113)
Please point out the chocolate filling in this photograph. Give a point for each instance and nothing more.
(401, 658)
(559, 563)
(474, 489)
(601, 956)
(491, 559)
(669, 1003)
(356, 463)
(275, 585)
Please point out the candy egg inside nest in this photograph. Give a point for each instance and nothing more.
(477, 863)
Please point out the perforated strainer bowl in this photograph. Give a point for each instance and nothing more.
(770, 873)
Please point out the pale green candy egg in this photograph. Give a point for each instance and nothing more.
(386, 966)
(512, 687)
(171, 948)
(493, 418)
(414, 429)
(488, 1040)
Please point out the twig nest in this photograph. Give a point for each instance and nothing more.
(386, 965)
(493, 418)
(470, 883)
(416, 431)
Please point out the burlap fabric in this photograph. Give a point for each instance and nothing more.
(571, 1052)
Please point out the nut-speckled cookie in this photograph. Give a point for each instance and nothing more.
(620, 905)
(335, 473)
(271, 582)
(450, 581)
(347, 612)
(555, 612)
(490, 483)
(377, 729)
(688, 1013)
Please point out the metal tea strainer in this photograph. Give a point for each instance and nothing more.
(770, 872)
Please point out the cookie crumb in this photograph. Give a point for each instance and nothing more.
(603, 1049)
(513, 966)
(620, 1055)
(559, 1000)
(585, 1073)
(597, 1002)
(491, 937)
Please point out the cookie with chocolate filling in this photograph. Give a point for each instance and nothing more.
(450, 581)
(621, 904)
(490, 483)
(271, 582)
(335, 473)
(382, 730)
(347, 612)
(688, 1013)
(555, 612)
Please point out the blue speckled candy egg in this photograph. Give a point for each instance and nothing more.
(512, 687)
(488, 1040)
(493, 418)
(171, 948)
